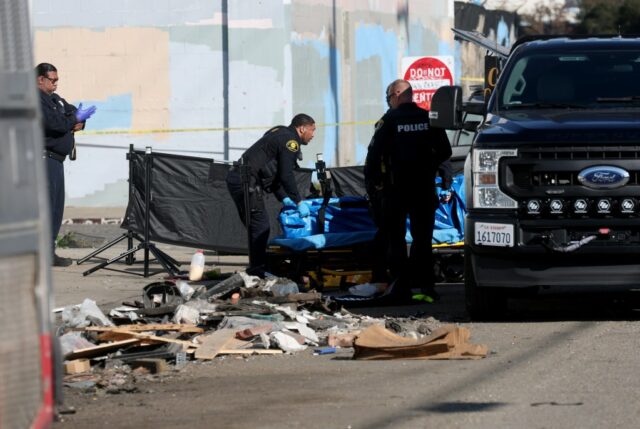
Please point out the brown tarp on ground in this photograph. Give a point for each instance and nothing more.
(447, 342)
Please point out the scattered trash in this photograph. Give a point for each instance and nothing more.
(164, 295)
(73, 340)
(235, 298)
(280, 287)
(367, 289)
(342, 340)
(196, 269)
(186, 314)
(181, 359)
(178, 321)
(324, 351)
(185, 289)
(87, 313)
(286, 342)
(86, 385)
(218, 289)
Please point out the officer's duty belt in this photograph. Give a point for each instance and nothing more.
(53, 155)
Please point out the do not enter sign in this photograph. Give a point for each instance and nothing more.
(426, 75)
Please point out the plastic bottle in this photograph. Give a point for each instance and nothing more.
(197, 266)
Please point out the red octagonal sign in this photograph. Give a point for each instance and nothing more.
(426, 75)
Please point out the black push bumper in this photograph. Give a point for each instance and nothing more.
(611, 260)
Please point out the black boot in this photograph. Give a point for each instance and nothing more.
(397, 294)
(59, 261)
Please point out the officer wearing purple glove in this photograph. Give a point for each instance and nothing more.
(60, 120)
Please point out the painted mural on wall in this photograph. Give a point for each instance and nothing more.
(158, 73)
(497, 25)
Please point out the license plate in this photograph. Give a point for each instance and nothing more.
(494, 234)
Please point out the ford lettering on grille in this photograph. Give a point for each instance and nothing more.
(603, 177)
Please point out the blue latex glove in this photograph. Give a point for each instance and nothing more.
(303, 210)
(288, 202)
(84, 114)
(444, 195)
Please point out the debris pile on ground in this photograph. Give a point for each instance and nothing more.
(177, 321)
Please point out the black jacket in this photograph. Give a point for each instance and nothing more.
(405, 151)
(58, 120)
(272, 160)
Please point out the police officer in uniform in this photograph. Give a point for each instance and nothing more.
(380, 249)
(403, 158)
(271, 161)
(59, 120)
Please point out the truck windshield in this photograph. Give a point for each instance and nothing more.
(578, 80)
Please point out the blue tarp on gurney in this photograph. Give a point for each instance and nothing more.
(449, 221)
(324, 241)
(347, 221)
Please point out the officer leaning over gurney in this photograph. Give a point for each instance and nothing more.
(403, 157)
(271, 161)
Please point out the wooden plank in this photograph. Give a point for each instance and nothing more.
(191, 329)
(112, 336)
(154, 338)
(211, 344)
(123, 335)
(77, 366)
(236, 344)
(100, 350)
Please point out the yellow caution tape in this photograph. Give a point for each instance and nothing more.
(472, 79)
(216, 129)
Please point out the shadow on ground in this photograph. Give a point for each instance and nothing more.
(578, 306)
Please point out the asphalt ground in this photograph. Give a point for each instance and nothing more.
(556, 361)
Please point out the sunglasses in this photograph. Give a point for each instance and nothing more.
(52, 80)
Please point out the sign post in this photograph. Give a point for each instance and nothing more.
(426, 75)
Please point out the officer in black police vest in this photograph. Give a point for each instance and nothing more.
(271, 161)
(401, 164)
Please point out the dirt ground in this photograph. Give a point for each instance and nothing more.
(560, 361)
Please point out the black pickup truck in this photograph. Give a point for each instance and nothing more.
(553, 174)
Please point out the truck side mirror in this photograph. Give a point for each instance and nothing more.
(446, 108)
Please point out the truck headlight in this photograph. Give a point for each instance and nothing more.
(486, 191)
